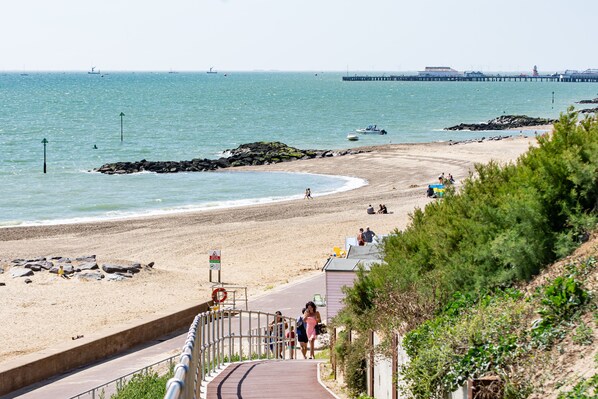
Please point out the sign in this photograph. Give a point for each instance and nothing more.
(214, 259)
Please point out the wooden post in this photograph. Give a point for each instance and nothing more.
(395, 365)
(371, 379)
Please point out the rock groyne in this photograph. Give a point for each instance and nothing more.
(504, 122)
(259, 153)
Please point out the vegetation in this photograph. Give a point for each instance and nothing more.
(144, 386)
(447, 281)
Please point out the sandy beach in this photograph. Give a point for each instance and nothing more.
(262, 246)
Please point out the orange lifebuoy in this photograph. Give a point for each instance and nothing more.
(219, 295)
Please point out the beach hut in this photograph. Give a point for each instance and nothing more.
(341, 272)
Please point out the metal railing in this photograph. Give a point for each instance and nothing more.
(236, 295)
(220, 337)
(108, 389)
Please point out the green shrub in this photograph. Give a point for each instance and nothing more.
(144, 386)
(504, 225)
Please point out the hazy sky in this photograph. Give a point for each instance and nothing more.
(295, 35)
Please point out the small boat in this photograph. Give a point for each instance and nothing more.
(352, 137)
(371, 129)
(211, 71)
(93, 71)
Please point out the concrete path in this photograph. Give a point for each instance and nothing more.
(272, 379)
(289, 299)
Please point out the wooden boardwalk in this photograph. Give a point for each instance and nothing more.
(270, 379)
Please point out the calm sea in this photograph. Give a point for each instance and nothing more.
(180, 116)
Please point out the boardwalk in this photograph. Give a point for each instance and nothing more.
(269, 380)
(289, 299)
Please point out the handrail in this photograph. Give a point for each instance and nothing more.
(120, 381)
(220, 337)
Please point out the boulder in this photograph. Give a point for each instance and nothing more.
(91, 276)
(114, 277)
(1, 270)
(92, 265)
(28, 281)
(20, 272)
(2, 284)
(38, 266)
(90, 258)
(110, 268)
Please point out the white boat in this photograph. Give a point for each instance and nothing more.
(211, 71)
(93, 71)
(371, 129)
(352, 137)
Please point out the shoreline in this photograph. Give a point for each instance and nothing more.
(262, 245)
(350, 183)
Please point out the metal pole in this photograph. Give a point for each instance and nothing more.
(250, 337)
(121, 125)
(44, 142)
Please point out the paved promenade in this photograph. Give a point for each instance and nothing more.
(271, 379)
(289, 299)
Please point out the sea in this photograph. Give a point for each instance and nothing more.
(186, 115)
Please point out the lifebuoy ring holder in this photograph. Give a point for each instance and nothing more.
(219, 295)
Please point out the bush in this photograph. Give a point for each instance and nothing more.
(144, 386)
(503, 226)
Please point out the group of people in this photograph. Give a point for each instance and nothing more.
(446, 179)
(307, 193)
(442, 181)
(306, 332)
(371, 211)
(366, 236)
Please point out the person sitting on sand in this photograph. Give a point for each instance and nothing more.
(430, 192)
(383, 209)
(370, 210)
(61, 272)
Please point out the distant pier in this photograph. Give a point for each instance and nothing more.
(484, 78)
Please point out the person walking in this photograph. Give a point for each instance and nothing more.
(311, 317)
(277, 329)
(302, 334)
(308, 193)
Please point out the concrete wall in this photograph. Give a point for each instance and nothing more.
(334, 294)
(29, 369)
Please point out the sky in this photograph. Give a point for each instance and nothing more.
(297, 35)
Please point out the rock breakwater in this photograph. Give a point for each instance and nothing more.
(258, 153)
(504, 122)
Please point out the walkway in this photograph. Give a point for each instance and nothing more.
(272, 379)
(289, 299)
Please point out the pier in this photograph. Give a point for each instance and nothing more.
(484, 78)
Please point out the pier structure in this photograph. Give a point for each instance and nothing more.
(446, 74)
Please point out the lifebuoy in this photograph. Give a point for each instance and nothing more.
(219, 295)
